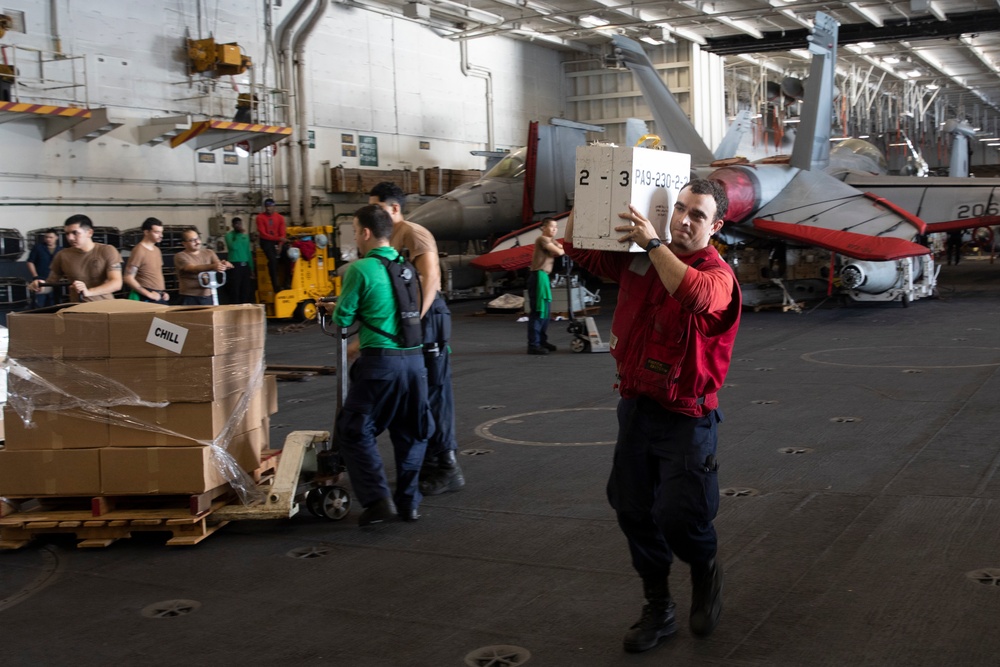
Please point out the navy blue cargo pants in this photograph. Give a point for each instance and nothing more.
(388, 390)
(437, 333)
(664, 485)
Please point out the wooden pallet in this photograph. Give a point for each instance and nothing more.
(19, 528)
(98, 521)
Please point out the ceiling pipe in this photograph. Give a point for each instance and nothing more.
(301, 37)
(483, 73)
(287, 83)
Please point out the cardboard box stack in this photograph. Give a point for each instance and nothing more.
(134, 398)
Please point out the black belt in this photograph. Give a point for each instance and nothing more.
(386, 352)
(241, 263)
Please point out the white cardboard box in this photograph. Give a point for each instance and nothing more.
(609, 178)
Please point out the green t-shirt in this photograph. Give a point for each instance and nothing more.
(238, 246)
(367, 291)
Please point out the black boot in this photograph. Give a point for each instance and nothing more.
(381, 510)
(445, 477)
(657, 622)
(706, 597)
(429, 468)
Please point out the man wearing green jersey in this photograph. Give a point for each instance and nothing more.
(388, 382)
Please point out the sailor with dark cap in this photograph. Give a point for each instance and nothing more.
(271, 237)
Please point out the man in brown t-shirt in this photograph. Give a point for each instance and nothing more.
(440, 472)
(189, 263)
(93, 269)
(144, 270)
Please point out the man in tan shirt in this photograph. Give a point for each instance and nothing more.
(144, 270)
(189, 263)
(440, 472)
(93, 269)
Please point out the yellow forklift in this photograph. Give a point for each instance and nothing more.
(308, 262)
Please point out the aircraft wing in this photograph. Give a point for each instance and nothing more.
(851, 244)
(964, 223)
(937, 201)
(507, 259)
(815, 209)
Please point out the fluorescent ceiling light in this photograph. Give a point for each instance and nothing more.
(866, 45)
(932, 86)
(741, 26)
(892, 60)
(690, 36)
(866, 14)
(592, 21)
(801, 53)
(998, 144)
(651, 40)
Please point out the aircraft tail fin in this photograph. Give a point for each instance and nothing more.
(961, 133)
(673, 126)
(812, 142)
(734, 135)
(635, 129)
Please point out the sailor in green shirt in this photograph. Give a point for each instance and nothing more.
(388, 383)
(239, 279)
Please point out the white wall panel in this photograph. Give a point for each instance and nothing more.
(367, 74)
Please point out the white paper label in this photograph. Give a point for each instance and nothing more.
(166, 335)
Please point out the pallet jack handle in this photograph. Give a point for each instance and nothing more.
(210, 280)
(325, 316)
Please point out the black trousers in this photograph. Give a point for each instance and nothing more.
(239, 283)
(270, 250)
(664, 485)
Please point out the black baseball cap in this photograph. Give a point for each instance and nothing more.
(269, 202)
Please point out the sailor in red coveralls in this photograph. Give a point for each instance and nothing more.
(271, 237)
(672, 339)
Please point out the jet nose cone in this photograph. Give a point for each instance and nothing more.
(443, 217)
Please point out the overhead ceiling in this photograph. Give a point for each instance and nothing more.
(948, 49)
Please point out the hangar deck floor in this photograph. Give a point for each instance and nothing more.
(855, 549)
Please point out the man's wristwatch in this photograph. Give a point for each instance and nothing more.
(653, 243)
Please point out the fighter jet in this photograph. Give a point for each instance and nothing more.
(793, 218)
(532, 182)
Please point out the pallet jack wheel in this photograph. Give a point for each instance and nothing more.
(579, 345)
(329, 502)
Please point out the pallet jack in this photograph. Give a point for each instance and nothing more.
(586, 337)
(310, 467)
